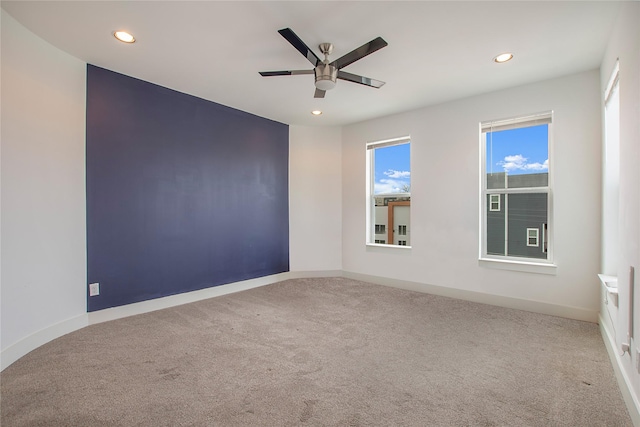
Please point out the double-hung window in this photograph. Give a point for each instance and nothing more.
(389, 192)
(516, 189)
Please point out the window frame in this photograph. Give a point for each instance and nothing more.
(507, 261)
(370, 174)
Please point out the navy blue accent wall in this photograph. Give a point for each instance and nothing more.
(182, 193)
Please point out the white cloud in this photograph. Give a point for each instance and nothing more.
(519, 162)
(538, 166)
(385, 186)
(391, 173)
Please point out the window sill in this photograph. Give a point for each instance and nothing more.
(381, 245)
(611, 285)
(523, 266)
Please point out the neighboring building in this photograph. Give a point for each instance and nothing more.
(392, 214)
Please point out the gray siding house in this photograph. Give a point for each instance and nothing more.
(517, 223)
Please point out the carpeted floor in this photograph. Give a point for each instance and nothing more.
(320, 352)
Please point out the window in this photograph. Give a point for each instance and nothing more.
(516, 189)
(532, 236)
(389, 191)
(494, 202)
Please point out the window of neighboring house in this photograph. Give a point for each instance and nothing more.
(516, 192)
(389, 191)
(532, 236)
(494, 202)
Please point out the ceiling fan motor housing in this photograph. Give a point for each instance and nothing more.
(326, 76)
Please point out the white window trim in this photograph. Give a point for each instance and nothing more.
(532, 265)
(370, 173)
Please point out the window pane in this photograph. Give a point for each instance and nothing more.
(526, 211)
(392, 213)
(392, 170)
(518, 158)
(523, 217)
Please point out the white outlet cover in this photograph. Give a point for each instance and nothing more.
(94, 289)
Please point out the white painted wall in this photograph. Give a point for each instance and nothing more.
(43, 191)
(625, 45)
(445, 202)
(315, 198)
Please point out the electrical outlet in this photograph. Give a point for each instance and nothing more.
(94, 289)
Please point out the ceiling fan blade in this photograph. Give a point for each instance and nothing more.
(359, 53)
(296, 42)
(319, 93)
(284, 73)
(360, 79)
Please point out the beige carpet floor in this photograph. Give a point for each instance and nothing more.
(320, 352)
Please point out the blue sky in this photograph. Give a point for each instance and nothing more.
(393, 169)
(518, 151)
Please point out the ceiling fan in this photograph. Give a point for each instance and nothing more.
(327, 72)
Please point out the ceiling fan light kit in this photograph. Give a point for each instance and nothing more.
(326, 76)
(326, 73)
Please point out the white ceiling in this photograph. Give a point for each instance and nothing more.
(438, 50)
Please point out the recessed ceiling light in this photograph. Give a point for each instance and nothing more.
(503, 57)
(123, 36)
(316, 112)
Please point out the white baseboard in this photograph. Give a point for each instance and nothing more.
(33, 341)
(624, 382)
(569, 312)
(319, 273)
(180, 299)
